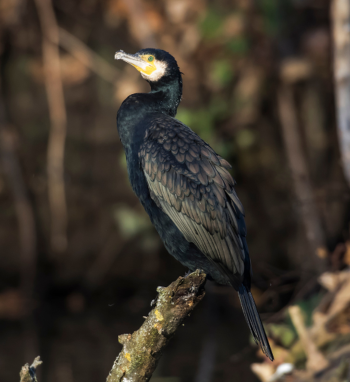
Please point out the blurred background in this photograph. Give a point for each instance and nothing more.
(80, 261)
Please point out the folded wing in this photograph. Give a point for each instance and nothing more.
(191, 184)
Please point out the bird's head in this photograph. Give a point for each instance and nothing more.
(156, 66)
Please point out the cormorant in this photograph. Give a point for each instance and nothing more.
(184, 185)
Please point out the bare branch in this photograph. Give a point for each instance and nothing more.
(24, 210)
(142, 349)
(57, 137)
(87, 56)
(341, 37)
(315, 359)
(23, 206)
(28, 373)
(301, 180)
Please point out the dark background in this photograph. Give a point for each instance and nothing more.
(70, 302)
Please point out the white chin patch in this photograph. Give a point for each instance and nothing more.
(158, 73)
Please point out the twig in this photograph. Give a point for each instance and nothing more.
(301, 180)
(57, 137)
(315, 359)
(142, 349)
(28, 373)
(341, 37)
(87, 56)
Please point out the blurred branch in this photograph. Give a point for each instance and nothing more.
(341, 38)
(27, 230)
(87, 56)
(12, 167)
(323, 344)
(24, 209)
(206, 365)
(315, 359)
(22, 203)
(142, 349)
(28, 373)
(139, 24)
(301, 180)
(57, 137)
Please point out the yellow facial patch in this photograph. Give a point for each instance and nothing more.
(151, 65)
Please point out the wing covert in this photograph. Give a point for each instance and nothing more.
(191, 184)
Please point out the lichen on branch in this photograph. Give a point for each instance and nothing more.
(28, 373)
(143, 349)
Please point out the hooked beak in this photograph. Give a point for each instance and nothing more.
(133, 59)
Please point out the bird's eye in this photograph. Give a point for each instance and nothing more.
(150, 58)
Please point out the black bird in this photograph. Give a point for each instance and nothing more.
(184, 185)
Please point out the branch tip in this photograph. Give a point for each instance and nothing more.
(142, 349)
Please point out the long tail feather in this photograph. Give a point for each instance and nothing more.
(253, 320)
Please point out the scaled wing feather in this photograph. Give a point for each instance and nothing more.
(191, 184)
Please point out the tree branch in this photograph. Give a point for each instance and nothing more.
(341, 38)
(143, 349)
(57, 137)
(315, 359)
(87, 56)
(28, 373)
(301, 179)
(23, 207)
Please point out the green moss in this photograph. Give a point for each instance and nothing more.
(221, 72)
(284, 333)
(246, 138)
(211, 25)
(238, 46)
(270, 11)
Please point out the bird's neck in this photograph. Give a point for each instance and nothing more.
(166, 97)
(136, 112)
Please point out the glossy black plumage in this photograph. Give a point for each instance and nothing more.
(186, 189)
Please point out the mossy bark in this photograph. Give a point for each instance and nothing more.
(143, 349)
(28, 373)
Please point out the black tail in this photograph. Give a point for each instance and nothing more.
(253, 320)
